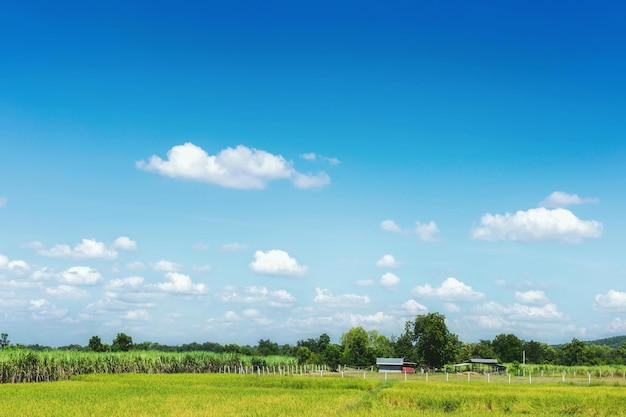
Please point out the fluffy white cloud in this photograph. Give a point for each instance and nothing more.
(413, 307)
(611, 301)
(41, 309)
(389, 280)
(562, 199)
(532, 297)
(15, 266)
(390, 226)
(124, 243)
(257, 295)
(136, 266)
(67, 292)
(230, 247)
(309, 156)
(387, 261)
(87, 249)
(539, 224)
(240, 167)
(617, 325)
(310, 181)
(312, 157)
(137, 315)
(181, 284)
(426, 232)
(324, 296)
(81, 275)
(520, 312)
(451, 308)
(166, 266)
(450, 290)
(126, 284)
(277, 262)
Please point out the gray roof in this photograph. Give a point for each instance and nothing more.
(390, 361)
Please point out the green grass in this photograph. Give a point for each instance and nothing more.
(267, 395)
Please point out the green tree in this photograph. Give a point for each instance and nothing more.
(356, 347)
(436, 346)
(95, 344)
(303, 354)
(575, 353)
(4, 340)
(266, 348)
(122, 343)
(507, 347)
(332, 356)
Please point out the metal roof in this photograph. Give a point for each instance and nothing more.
(390, 361)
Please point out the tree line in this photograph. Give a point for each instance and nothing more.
(426, 341)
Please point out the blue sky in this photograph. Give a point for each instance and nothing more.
(187, 171)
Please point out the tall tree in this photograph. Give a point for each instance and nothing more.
(122, 343)
(356, 347)
(436, 346)
(4, 340)
(95, 344)
(508, 347)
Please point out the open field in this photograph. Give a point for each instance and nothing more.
(309, 395)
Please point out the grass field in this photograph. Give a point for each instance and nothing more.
(310, 395)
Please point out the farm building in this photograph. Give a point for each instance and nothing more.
(395, 365)
(481, 365)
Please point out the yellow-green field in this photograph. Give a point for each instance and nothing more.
(223, 395)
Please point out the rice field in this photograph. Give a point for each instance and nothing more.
(308, 395)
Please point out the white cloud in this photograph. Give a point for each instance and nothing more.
(203, 268)
(200, 246)
(166, 266)
(310, 181)
(87, 249)
(137, 315)
(240, 167)
(136, 266)
(312, 157)
(559, 199)
(81, 275)
(533, 297)
(124, 243)
(539, 224)
(231, 247)
(366, 283)
(387, 261)
(413, 307)
(389, 280)
(450, 290)
(390, 226)
(519, 312)
(427, 232)
(451, 308)
(181, 284)
(129, 283)
(324, 296)
(41, 309)
(500, 282)
(16, 266)
(612, 301)
(617, 325)
(67, 292)
(277, 262)
(257, 295)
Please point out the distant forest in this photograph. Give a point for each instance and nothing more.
(426, 342)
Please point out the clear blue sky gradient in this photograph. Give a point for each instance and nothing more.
(416, 112)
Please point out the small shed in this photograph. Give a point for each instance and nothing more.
(397, 365)
(481, 365)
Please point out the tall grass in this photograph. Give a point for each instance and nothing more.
(19, 365)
